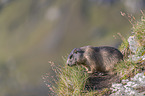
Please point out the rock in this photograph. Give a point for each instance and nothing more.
(133, 44)
(130, 87)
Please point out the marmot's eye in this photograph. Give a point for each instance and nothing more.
(75, 51)
(70, 56)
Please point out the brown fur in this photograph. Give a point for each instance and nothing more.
(94, 59)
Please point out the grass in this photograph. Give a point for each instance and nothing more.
(70, 81)
(124, 47)
(125, 69)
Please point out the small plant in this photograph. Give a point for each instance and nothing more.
(124, 47)
(139, 30)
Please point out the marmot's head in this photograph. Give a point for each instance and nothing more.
(75, 57)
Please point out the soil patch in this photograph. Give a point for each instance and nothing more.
(99, 82)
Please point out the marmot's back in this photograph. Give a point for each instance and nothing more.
(108, 56)
(109, 51)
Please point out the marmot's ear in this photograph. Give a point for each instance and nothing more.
(75, 50)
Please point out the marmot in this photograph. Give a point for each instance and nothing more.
(95, 59)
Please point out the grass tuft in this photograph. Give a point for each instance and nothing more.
(125, 69)
(69, 81)
(72, 81)
(124, 47)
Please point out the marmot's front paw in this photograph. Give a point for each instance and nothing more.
(90, 72)
(85, 71)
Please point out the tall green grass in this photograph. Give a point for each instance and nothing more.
(72, 81)
(69, 81)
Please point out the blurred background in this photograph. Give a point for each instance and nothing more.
(33, 32)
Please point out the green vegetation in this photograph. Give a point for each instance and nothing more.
(71, 80)
(125, 69)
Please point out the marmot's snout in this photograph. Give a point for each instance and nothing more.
(72, 59)
(67, 63)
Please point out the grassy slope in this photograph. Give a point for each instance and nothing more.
(71, 81)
